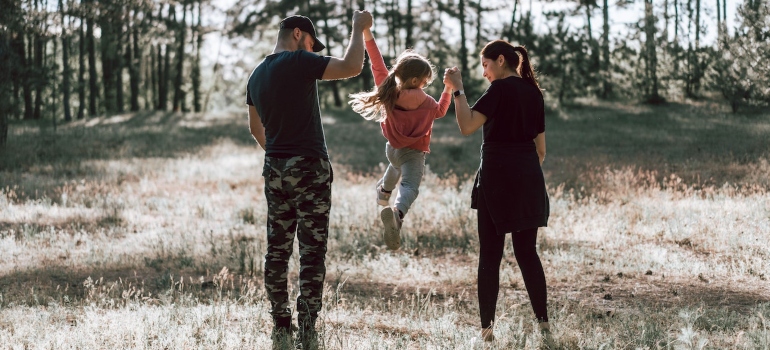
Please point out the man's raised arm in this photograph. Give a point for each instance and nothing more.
(353, 62)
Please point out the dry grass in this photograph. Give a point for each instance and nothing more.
(147, 231)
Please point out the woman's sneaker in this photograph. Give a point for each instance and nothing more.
(383, 198)
(546, 336)
(392, 221)
(484, 340)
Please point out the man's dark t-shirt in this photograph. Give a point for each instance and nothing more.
(514, 109)
(284, 91)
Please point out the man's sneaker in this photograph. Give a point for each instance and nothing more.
(307, 340)
(392, 222)
(307, 337)
(383, 198)
(283, 338)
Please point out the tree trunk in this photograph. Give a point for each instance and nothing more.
(676, 23)
(15, 74)
(108, 44)
(39, 75)
(724, 14)
(652, 59)
(134, 57)
(479, 13)
(159, 75)
(513, 21)
(120, 64)
(182, 31)
(719, 21)
(92, 82)
(160, 78)
(606, 85)
(595, 57)
(162, 71)
(393, 27)
(147, 69)
(196, 69)
(676, 38)
(463, 45)
(81, 71)
(54, 94)
(166, 77)
(65, 85)
(153, 75)
(665, 19)
(409, 25)
(696, 66)
(366, 78)
(333, 83)
(6, 85)
(23, 73)
(689, 75)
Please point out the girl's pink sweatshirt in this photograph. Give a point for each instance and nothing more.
(410, 123)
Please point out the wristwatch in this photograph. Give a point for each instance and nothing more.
(459, 92)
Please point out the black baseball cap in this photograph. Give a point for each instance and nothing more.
(304, 24)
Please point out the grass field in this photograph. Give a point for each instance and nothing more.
(147, 231)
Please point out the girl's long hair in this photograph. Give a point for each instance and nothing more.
(511, 53)
(373, 105)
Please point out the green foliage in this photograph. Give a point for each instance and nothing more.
(741, 72)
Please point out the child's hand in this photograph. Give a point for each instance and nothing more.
(453, 79)
(362, 20)
(368, 34)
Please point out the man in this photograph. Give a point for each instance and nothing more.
(285, 119)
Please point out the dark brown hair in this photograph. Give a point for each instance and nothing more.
(511, 53)
(374, 104)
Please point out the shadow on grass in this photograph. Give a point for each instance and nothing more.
(140, 135)
(699, 143)
(157, 276)
(151, 278)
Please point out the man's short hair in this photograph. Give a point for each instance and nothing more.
(285, 33)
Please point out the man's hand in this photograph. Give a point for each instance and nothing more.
(256, 128)
(362, 20)
(353, 62)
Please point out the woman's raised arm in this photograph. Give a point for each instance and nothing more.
(467, 119)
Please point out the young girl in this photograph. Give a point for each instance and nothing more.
(406, 114)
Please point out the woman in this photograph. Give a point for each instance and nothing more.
(509, 191)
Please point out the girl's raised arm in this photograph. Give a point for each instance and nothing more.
(379, 70)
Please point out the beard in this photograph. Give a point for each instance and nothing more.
(303, 43)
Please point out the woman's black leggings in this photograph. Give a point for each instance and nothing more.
(491, 254)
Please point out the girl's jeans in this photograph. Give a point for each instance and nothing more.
(409, 165)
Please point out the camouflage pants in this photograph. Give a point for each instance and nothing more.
(298, 192)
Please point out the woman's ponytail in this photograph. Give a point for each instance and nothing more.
(526, 71)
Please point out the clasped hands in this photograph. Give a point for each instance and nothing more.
(453, 78)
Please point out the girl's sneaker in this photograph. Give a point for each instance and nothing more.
(392, 221)
(383, 198)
